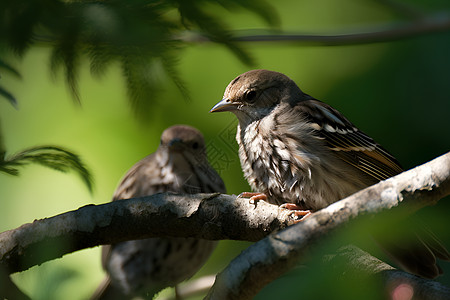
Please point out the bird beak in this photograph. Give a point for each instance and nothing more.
(224, 105)
(176, 144)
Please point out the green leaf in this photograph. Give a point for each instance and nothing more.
(66, 54)
(9, 68)
(8, 97)
(53, 157)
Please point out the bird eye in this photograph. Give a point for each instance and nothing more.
(250, 96)
(195, 145)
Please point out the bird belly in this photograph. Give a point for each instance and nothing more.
(278, 168)
(268, 168)
(147, 266)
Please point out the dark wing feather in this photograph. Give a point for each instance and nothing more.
(362, 152)
(349, 143)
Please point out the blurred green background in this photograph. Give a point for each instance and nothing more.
(397, 92)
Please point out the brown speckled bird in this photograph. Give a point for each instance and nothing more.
(144, 267)
(299, 151)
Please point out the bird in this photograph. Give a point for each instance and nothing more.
(301, 153)
(144, 267)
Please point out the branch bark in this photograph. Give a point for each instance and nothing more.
(207, 216)
(267, 259)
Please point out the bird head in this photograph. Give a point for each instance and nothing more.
(254, 94)
(182, 139)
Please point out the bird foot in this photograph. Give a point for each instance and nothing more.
(297, 211)
(254, 197)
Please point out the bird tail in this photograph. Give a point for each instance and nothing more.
(416, 253)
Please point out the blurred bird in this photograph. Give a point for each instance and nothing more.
(302, 153)
(144, 267)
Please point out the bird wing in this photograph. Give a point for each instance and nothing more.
(144, 178)
(348, 142)
(135, 183)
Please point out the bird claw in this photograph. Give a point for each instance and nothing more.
(299, 214)
(254, 197)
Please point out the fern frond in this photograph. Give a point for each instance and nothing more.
(52, 157)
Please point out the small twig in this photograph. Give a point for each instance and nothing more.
(191, 288)
(421, 25)
(8, 290)
(426, 25)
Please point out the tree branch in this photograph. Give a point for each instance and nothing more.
(345, 267)
(377, 34)
(267, 259)
(208, 216)
(359, 266)
(214, 216)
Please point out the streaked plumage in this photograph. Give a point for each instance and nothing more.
(144, 267)
(297, 149)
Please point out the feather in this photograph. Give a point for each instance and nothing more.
(349, 143)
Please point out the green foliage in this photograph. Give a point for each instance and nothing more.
(143, 36)
(3, 92)
(139, 34)
(49, 156)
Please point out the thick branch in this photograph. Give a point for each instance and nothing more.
(267, 259)
(208, 216)
(347, 267)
